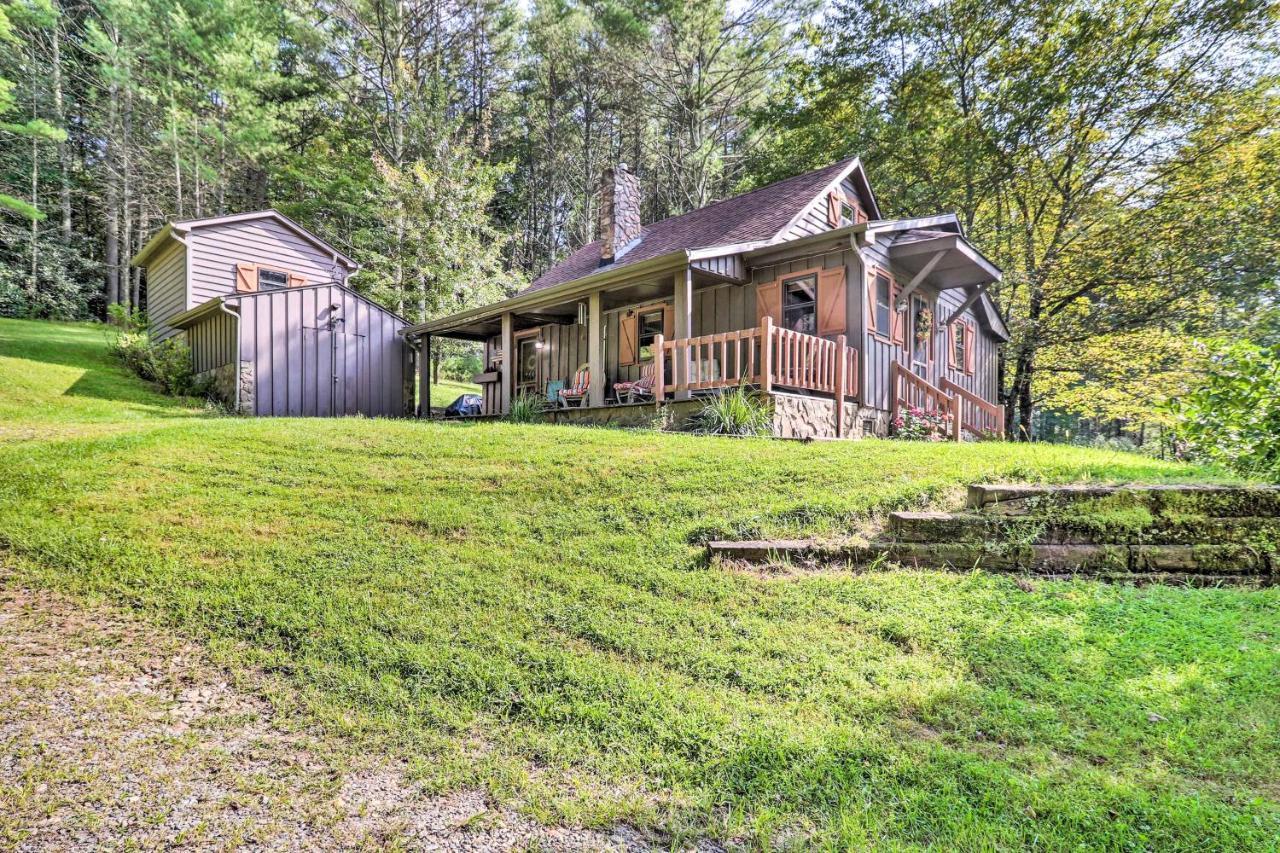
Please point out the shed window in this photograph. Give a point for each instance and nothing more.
(800, 304)
(272, 279)
(848, 214)
(883, 306)
(648, 326)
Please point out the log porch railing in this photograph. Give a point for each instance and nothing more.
(767, 356)
(961, 409)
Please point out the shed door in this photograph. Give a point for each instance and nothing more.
(341, 367)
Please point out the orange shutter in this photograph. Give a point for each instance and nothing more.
(246, 278)
(296, 280)
(898, 320)
(831, 301)
(951, 350)
(833, 209)
(627, 328)
(668, 321)
(970, 347)
(769, 302)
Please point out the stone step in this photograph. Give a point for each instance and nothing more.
(1168, 500)
(1261, 532)
(1220, 560)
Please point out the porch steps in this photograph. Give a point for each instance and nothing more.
(1183, 534)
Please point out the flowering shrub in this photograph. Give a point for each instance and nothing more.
(915, 424)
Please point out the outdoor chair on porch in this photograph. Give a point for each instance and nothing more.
(639, 390)
(576, 394)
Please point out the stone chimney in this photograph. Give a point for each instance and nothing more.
(619, 212)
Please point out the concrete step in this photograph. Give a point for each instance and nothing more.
(1167, 500)
(1048, 529)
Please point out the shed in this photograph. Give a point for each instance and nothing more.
(264, 306)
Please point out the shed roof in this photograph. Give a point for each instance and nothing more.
(192, 315)
(185, 226)
(754, 217)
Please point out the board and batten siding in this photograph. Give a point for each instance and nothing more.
(814, 220)
(166, 290)
(213, 341)
(321, 351)
(216, 249)
(983, 379)
(879, 353)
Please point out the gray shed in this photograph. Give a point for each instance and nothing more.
(265, 309)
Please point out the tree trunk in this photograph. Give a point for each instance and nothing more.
(60, 115)
(126, 199)
(112, 251)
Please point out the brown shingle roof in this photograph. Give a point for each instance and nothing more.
(754, 216)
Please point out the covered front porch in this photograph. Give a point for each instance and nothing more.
(659, 336)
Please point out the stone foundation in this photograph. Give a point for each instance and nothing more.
(225, 378)
(794, 416)
(798, 416)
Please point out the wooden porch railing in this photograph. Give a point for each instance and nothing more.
(908, 391)
(767, 356)
(962, 409)
(976, 414)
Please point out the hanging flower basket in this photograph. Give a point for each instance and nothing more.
(924, 325)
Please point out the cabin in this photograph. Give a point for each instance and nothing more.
(265, 308)
(799, 289)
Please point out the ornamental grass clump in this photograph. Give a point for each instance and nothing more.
(737, 411)
(526, 409)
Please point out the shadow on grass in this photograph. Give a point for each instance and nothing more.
(84, 347)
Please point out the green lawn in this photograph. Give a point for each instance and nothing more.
(527, 608)
(446, 391)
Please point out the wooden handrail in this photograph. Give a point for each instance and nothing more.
(976, 414)
(915, 392)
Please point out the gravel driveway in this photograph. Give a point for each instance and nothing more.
(114, 734)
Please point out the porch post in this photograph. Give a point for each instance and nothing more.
(595, 350)
(424, 379)
(506, 384)
(842, 369)
(683, 328)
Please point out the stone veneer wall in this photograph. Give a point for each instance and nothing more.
(224, 385)
(797, 416)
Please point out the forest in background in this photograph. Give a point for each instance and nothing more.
(1119, 161)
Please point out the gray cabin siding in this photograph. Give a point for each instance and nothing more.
(323, 350)
(814, 219)
(213, 341)
(216, 249)
(166, 289)
(879, 354)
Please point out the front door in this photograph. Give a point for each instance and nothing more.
(527, 365)
(920, 336)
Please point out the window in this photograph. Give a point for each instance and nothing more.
(800, 304)
(272, 279)
(960, 345)
(883, 306)
(848, 214)
(648, 326)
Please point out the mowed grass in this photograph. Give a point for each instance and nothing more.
(446, 391)
(527, 608)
